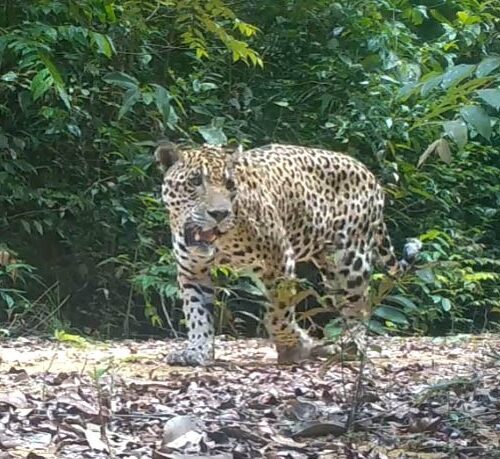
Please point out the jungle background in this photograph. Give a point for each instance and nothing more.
(88, 87)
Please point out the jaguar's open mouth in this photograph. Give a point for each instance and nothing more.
(195, 236)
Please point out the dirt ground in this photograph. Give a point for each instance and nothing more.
(415, 398)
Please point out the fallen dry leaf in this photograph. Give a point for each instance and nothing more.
(417, 398)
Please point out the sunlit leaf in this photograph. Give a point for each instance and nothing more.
(426, 274)
(486, 66)
(130, 98)
(456, 74)
(103, 43)
(491, 97)
(457, 131)
(446, 304)
(213, 135)
(477, 117)
(121, 79)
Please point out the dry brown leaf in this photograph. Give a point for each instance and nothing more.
(14, 398)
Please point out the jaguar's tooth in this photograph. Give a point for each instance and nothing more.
(197, 237)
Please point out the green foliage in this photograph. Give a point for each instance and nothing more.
(87, 88)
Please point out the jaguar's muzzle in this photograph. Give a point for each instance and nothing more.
(196, 236)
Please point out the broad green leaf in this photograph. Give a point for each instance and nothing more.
(477, 117)
(8, 299)
(376, 327)
(446, 304)
(207, 86)
(333, 330)
(104, 44)
(391, 313)
(282, 103)
(162, 100)
(407, 90)
(402, 301)
(457, 131)
(38, 226)
(109, 7)
(41, 83)
(426, 275)
(430, 84)
(26, 226)
(121, 79)
(213, 135)
(486, 66)
(64, 96)
(44, 57)
(9, 76)
(491, 97)
(468, 19)
(129, 100)
(456, 74)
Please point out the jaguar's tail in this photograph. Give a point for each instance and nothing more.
(385, 251)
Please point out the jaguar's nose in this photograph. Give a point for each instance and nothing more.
(218, 214)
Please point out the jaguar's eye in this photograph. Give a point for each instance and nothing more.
(196, 179)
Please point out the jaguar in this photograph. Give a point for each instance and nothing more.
(267, 209)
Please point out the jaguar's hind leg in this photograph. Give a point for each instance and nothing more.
(293, 344)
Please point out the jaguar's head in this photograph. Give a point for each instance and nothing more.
(198, 193)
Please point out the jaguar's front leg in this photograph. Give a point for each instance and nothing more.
(198, 297)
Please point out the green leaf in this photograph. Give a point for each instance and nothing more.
(333, 330)
(41, 83)
(162, 100)
(104, 43)
(457, 131)
(430, 84)
(121, 79)
(4, 141)
(456, 74)
(207, 86)
(129, 100)
(491, 97)
(213, 135)
(486, 66)
(446, 304)
(426, 275)
(9, 76)
(392, 314)
(51, 67)
(281, 103)
(26, 226)
(477, 117)
(38, 227)
(402, 301)
(376, 327)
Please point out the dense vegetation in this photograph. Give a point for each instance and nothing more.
(87, 88)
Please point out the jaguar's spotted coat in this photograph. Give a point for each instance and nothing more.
(268, 208)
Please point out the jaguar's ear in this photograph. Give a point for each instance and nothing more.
(167, 154)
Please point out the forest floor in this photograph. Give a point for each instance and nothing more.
(418, 398)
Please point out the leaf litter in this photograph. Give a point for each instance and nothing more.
(415, 398)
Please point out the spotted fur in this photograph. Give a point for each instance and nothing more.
(267, 209)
